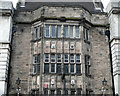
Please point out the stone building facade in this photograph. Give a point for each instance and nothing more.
(60, 49)
(6, 14)
(113, 10)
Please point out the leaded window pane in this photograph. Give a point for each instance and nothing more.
(52, 67)
(58, 31)
(65, 31)
(78, 68)
(47, 33)
(72, 68)
(46, 68)
(71, 32)
(59, 58)
(58, 68)
(53, 34)
(77, 31)
(66, 68)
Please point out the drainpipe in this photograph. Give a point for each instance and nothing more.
(107, 33)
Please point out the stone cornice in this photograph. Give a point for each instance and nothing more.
(64, 19)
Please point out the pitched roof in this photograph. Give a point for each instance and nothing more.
(31, 6)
